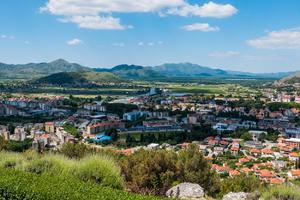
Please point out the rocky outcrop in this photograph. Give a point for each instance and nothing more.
(235, 196)
(186, 191)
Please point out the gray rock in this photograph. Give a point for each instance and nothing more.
(186, 191)
(235, 196)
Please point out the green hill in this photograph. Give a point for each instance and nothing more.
(37, 70)
(102, 77)
(132, 72)
(188, 69)
(78, 78)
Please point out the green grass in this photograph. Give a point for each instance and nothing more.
(98, 169)
(282, 193)
(19, 185)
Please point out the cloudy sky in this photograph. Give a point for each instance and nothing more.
(244, 35)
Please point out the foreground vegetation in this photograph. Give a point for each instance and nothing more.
(98, 169)
(78, 172)
(19, 185)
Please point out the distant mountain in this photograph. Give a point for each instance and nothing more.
(37, 70)
(78, 78)
(289, 80)
(170, 70)
(194, 70)
(188, 69)
(132, 71)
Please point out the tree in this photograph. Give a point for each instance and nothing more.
(142, 139)
(74, 150)
(113, 133)
(19, 146)
(246, 136)
(194, 168)
(150, 172)
(154, 172)
(3, 143)
(129, 139)
(70, 128)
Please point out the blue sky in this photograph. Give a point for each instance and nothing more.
(255, 36)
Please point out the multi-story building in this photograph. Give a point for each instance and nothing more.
(50, 127)
(105, 125)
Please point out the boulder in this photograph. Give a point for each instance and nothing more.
(186, 191)
(235, 196)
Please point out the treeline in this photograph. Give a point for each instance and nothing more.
(197, 133)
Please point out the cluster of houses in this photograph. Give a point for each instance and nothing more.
(26, 107)
(43, 135)
(272, 162)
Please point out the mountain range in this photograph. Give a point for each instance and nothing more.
(121, 72)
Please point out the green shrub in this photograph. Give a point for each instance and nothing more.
(18, 185)
(154, 172)
(77, 151)
(281, 193)
(241, 183)
(101, 170)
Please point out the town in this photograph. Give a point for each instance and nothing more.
(257, 135)
(149, 100)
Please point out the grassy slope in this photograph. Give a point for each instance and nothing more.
(17, 185)
(102, 77)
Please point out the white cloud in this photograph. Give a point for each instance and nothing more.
(74, 42)
(209, 9)
(96, 22)
(96, 14)
(94, 7)
(118, 44)
(141, 44)
(26, 42)
(224, 54)
(204, 27)
(282, 39)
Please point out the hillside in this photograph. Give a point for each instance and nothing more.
(37, 70)
(289, 80)
(132, 71)
(102, 77)
(188, 69)
(78, 78)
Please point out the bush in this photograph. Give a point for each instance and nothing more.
(150, 172)
(192, 167)
(153, 172)
(18, 185)
(19, 146)
(281, 193)
(240, 183)
(3, 143)
(71, 150)
(101, 170)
